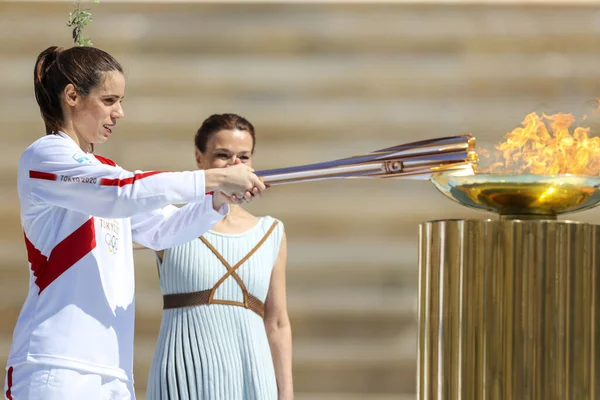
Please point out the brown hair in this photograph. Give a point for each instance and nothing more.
(220, 122)
(55, 68)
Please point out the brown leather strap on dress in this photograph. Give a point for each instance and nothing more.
(203, 297)
(180, 300)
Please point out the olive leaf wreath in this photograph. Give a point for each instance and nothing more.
(78, 19)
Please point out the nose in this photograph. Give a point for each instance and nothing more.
(118, 113)
(232, 160)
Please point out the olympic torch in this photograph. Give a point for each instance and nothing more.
(417, 160)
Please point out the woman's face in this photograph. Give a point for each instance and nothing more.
(224, 148)
(93, 117)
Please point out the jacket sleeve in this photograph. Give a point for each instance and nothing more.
(172, 226)
(55, 173)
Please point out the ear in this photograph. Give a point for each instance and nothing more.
(70, 95)
(198, 159)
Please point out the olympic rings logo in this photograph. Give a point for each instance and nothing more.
(112, 242)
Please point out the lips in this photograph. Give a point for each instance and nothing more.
(108, 128)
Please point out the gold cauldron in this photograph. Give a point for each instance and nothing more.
(509, 307)
(521, 196)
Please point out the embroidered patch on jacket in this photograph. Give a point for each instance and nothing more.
(81, 158)
(111, 235)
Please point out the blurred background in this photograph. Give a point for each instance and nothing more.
(318, 81)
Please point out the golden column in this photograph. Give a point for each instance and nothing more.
(508, 308)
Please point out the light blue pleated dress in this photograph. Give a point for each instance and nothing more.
(217, 351)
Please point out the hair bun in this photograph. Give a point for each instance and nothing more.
(46, 59)
(56, 50)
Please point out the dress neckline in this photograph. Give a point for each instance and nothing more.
(255, 227)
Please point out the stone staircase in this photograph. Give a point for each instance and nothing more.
(318, 82)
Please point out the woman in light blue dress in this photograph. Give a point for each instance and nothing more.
(225, 332)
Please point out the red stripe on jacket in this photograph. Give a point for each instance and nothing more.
(105, 160)
(43, 175)
(63, 256)
(9, 383)
(126, 181)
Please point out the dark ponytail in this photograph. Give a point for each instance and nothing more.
(45, 88)
(55, 68)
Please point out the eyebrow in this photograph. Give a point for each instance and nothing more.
(229, 151)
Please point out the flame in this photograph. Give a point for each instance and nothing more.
(545, 145)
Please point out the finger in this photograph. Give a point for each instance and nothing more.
(248, 196)
(256, 193)
(258, 183)
(266, 184)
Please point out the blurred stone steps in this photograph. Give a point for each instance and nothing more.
(390, 76)
(339, 365)
(318, 28)
(486, 118)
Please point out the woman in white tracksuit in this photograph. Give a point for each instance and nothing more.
(80, 213)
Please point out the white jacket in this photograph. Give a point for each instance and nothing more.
(80, 214)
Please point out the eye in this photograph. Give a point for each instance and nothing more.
(109, 101)
(245, 158)
(221, 155)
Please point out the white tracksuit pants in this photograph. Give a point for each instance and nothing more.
(42, 382)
